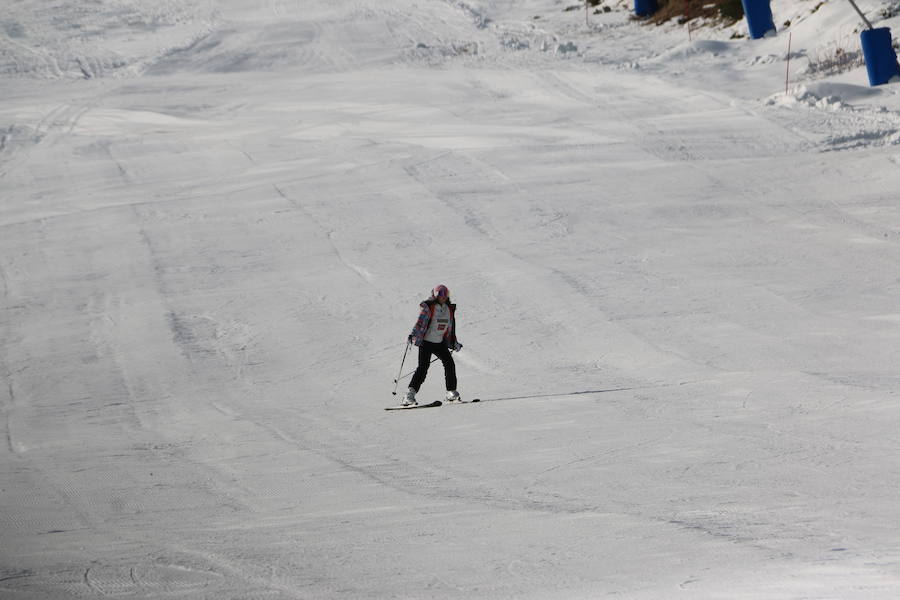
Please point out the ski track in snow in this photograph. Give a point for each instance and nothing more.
(676, 293)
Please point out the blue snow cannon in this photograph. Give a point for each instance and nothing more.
(881, 59)
(644, 8)
(759, 17)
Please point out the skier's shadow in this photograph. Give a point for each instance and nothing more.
(533, 396)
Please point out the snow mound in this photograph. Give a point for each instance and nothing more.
(765, 60)
(824, 94)
(513, 41)
(861, 139)
(845, 91)
(439, 52)
(803, 96)
(696, 48)
(566, 48)
(841, 115)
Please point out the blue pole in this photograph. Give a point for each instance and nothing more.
(881, 59)
(644, 8)
(759, 17)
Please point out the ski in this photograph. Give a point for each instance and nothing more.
(412, 406)
(448, 403)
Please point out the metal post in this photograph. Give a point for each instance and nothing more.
(787, 68)
(861, 15)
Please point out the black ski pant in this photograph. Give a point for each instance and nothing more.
(440, 350)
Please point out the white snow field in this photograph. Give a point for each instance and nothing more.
(678, 292)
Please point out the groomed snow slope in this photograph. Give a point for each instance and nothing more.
(677, 289)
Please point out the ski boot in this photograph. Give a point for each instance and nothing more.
(409, 399)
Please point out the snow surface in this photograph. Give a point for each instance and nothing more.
(677, 288)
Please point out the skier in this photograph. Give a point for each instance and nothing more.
(435, 333)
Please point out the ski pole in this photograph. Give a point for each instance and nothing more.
(396, 381)
(433, 360)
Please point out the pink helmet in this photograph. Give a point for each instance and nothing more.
(440, 291)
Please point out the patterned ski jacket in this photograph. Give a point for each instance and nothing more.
(425, 316)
